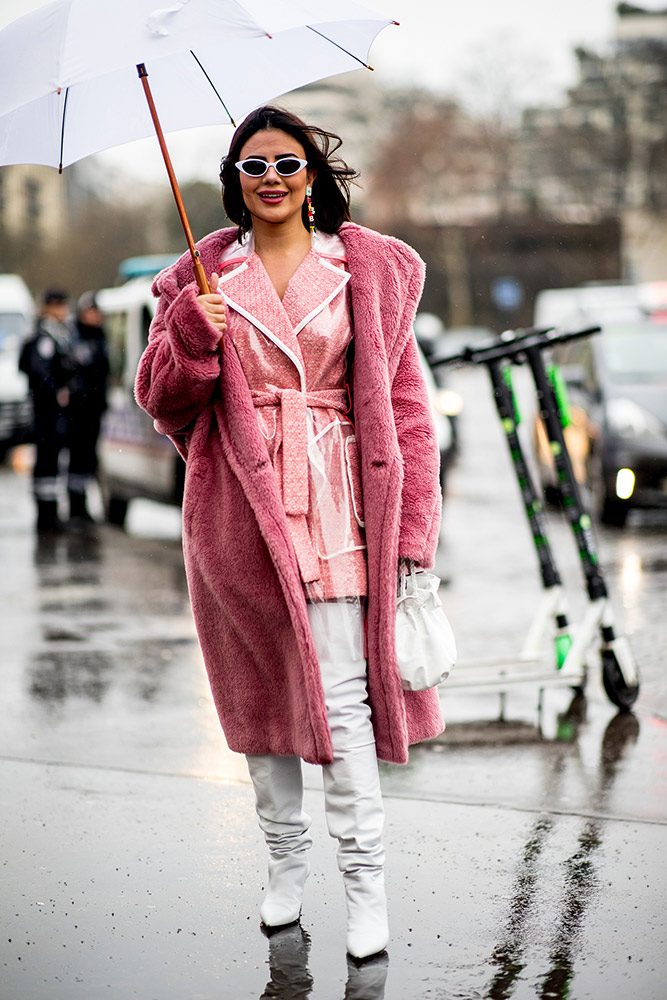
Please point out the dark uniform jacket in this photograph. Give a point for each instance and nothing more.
(90, 363)
(45, 359)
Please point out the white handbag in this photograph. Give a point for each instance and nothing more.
(425, 644)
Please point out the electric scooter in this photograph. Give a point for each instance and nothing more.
(620, 675)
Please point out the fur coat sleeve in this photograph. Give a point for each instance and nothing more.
(180, 369)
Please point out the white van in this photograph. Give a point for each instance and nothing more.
(135, 461)
(568, 308)
(17, 318)
(599, 303)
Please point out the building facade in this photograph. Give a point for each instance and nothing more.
(33, 204)
(602, 155)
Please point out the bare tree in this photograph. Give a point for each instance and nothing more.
(435, 175)
(203, 203)
(88, 252)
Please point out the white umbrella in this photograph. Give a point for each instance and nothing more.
(69, 82)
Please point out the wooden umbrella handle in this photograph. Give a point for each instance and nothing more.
(200, 274)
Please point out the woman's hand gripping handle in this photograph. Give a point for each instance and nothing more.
(213, 305)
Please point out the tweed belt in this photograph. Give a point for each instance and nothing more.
(294, 420)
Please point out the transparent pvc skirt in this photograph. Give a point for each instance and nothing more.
(335, 508)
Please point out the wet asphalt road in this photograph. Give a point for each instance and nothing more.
(526, 854)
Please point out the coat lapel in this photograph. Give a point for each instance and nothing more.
(312, 287)
(249, 291)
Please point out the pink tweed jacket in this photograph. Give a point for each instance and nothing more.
(243, 574)
(293, 352)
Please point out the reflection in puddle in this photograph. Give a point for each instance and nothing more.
(366, 980)
(152, 661)
(58, 675)
(54, 675)
(60, 633)
(288, 965)
(290, 977)
(80, 554)
(561, 728)
(508, 956)
(86, 601)
(580, 881)
(81, 607)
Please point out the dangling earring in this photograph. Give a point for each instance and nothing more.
(246, 223)
(311, 210)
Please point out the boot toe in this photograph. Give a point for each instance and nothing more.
(278, 915)
(367, 924)
(366, 943)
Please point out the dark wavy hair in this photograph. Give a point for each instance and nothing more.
(331, 187)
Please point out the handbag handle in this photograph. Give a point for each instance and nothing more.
(406, 568)
(404, 577)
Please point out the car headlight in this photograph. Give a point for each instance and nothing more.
(629, 420)
(448, 402)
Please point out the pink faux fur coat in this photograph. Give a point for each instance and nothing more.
(247, 596)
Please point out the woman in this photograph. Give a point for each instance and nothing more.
(297, 510)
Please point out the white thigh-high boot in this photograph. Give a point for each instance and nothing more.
(353, 800)
(278, 785)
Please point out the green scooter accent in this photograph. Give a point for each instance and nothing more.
(560, 392)
(563, 644)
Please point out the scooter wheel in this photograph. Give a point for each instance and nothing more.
(619, 693)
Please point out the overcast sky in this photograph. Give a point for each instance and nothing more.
(436, 44)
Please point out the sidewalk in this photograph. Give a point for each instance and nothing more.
(137, 885)
(524, 860)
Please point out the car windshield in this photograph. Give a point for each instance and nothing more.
(635, 352)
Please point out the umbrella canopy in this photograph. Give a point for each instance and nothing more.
(68, 71)
(68, 78)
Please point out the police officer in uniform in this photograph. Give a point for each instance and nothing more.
(46, 360)
(88, 401)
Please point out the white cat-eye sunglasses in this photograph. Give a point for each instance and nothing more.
(285, 167)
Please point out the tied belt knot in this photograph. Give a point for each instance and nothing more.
(294, 420)
(293, 406)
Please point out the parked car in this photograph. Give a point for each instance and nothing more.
(135, 461)
(434, 339)
(17, 317)
(443, 426)
(617, 384)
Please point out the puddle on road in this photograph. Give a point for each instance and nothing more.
(579, 887)
(58, 675)
(90, 606)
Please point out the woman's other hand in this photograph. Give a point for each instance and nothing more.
(213, 305)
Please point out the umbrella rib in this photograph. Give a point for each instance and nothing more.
(62, 131)
(331, 42)
(215, 90)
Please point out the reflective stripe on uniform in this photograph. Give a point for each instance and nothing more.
(45, 488)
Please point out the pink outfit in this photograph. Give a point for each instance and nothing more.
(243, 571)
(293, 354)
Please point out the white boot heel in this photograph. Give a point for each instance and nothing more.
(287, 878)
(367, 925)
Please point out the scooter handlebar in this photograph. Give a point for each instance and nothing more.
(511, 347)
